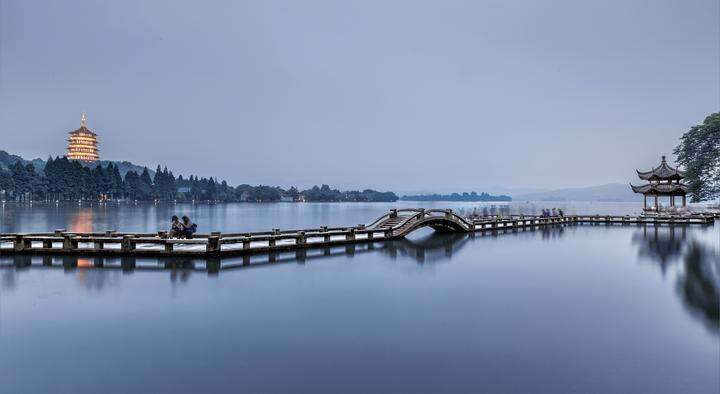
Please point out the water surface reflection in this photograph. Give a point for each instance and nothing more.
(576, 309)
(698, 273)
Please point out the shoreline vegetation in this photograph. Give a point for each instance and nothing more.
(470, 197)
(61, 179)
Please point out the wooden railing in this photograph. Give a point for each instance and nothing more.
(217, 244)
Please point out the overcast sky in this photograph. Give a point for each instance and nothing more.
(399, 95)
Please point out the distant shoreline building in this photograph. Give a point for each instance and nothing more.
(83, 144)
(663, 180)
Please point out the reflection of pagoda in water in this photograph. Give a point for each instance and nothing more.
(663, 245)
(83, 144)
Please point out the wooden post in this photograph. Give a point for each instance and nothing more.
(19, 243)
(350, 236)
(127, 244)
(301, 238)
(213, 244)
(388, 233)
(47, 244)
(168, 247)
(271, 242)
(69, 243)
(246, 243)
(99, 245)
(370, 234)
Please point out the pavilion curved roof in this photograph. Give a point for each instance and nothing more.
(660, 188)
(663, 171)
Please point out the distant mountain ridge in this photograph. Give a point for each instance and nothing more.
(470, 197)
(8, 159)
(611, 192)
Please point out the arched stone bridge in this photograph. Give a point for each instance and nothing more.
(401, 222)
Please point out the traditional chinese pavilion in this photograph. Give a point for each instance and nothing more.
(83, 144)
(663, 181)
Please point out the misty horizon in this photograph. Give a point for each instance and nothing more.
(408, 97)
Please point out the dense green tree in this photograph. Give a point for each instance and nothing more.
(699, 153)
(134, 189)
(63, 179)
(6, 183)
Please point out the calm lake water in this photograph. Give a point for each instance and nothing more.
(584, 308)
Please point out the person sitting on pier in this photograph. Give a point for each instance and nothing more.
(175, 227)
(188, 228)
(561, 213)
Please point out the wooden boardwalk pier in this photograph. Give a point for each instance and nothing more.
(396, 224)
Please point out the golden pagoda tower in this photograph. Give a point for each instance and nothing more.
(83, 144)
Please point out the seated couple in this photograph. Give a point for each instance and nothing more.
(182, 229)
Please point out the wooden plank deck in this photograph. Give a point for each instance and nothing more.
(396, 224)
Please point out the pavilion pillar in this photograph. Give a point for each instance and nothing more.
(657, 207)
(644, 201)
(683, 201)
(672, 201)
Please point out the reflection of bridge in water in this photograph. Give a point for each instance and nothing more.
(432, 248)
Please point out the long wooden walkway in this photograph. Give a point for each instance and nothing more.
(396, 224)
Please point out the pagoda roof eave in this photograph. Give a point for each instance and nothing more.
(660, 188)
(661, 172)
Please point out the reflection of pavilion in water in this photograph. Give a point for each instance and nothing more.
(662, 245)
(698, 280)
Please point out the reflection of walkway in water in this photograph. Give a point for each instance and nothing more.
(431, 248)
(698, 279)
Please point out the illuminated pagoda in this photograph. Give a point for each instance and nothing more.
(663, 181)
(83, 144)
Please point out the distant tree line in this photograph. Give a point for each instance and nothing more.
(473, 196)
(699, 153)
(69, 180)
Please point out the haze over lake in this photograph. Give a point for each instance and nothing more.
(580, 308)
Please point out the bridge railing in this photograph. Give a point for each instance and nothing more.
(97, 242)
